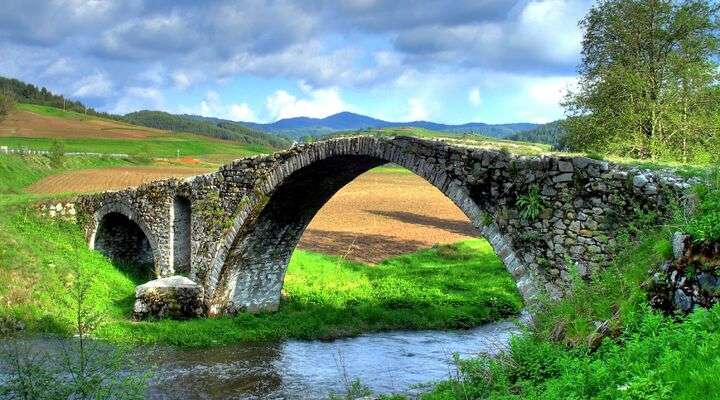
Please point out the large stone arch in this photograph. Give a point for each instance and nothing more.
(119, 213)
(249, 274)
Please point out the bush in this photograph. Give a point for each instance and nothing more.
(57, 153)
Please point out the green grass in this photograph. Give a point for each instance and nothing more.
(53, 112)
(450, 286)
(153, 146)
(454, 286)
(156, 144)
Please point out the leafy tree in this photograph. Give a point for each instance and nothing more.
(6, 104)
(649, 80)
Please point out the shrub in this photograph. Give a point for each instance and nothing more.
(57, 153)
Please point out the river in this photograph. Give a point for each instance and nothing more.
(387, 362)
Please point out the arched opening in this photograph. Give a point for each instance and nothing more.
(253, 273)
(182, 235)
(123, 241)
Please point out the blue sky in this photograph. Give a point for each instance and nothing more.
(451, 61)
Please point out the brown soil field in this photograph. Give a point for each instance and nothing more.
(21, 123)
(97, 180)
(385, 214)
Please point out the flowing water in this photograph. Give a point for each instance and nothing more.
(388, 362)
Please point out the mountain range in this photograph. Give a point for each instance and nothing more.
(346, 121)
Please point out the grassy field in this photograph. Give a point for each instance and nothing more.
(38, 127)
(448, 286)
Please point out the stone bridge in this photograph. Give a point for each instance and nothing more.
(233, 231)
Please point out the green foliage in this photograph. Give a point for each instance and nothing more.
(26, 93)
(7, 103)
(595, 156)
(79, 368)
(42, 101)
(648, 84)
(704, 225)
(353, 390)
(531, 204)
(656, 359)
(57, 154)
(551, 133)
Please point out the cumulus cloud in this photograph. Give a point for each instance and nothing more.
(212, 106)
(316, 103)
(93, 86)
(417, 110)
(551, 91)
(368, 46)
(139, 98)
(474, 96)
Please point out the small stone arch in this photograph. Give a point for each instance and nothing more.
(249, 276)
(121, 237)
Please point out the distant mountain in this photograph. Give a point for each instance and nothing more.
(551, 133)
(347, 121)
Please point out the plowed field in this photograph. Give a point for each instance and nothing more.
(97, 180)
(385, 214)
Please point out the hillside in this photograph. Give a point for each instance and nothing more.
(38, 127)
(347, 121)
(222, 129)
(28, 94)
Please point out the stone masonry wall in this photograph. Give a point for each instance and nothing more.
(247, 217)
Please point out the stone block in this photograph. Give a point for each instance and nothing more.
(174, 297)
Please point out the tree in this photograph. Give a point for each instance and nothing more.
(6, 105)
(648, 80)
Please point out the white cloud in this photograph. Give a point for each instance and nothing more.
(474, 96)
(181, 79)
(241, 112)
(318, 103)
(417, 110)
(139, 98)
(550, 91)
(212, 106)
(93, 86)
(59, 67)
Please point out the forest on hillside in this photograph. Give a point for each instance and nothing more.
(13, 90)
